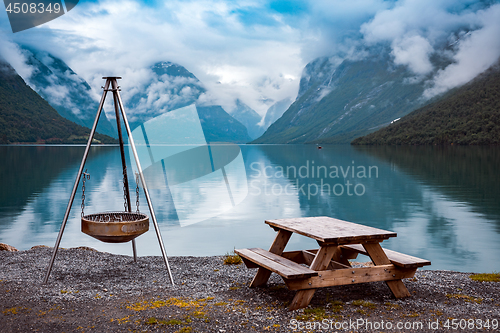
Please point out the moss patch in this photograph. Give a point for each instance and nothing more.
(486, 277)
(364, 304)
(465, 298)
(232, 259)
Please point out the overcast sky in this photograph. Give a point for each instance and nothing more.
(255, 50)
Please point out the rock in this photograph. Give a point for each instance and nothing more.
(38, 246)
(6, 247)
(86, 248)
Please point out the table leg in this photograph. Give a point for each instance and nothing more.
(277, 247)
(379, 257)
(321, 261)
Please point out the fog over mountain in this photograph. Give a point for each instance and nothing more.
(255, 51)
(65, 91)
(170, 87)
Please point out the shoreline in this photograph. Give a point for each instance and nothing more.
(91, 291)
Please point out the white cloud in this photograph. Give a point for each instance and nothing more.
(14, 56)
(244, 49)
(417, 29)
(206, 37)
(431, 19)
(477, 51)
(414, 52)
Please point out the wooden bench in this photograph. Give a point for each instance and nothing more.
(396, 258)
(286, 268)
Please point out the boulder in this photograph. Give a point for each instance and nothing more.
(6, 247)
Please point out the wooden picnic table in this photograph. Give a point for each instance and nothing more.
(339, 241)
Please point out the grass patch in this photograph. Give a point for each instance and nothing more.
(10, 311)
(486, 277)
(199, 314)
(169, 322)
(232, 259)
(178, 302)
(173, 322)
(185, 330)
(277, 287)
(122, 320)
(315, 314)
(152, 321)
(391, 306)
(337, 306)
(436, 312)
(221, 304)
(466, 298)
(364, 304)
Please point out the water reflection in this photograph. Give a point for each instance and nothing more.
(202, 181)
(468, 174)
(442, 203)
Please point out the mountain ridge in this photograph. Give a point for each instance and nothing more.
(65, 91)
(173, 87)
(249, 118)
(25, 117)
(339, 102)
(468, 115)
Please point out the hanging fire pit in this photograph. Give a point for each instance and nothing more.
(115, 227)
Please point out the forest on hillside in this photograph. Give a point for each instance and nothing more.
(469, 115)
(25, 117)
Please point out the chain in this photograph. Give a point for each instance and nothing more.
(85, 176)
(137, 191)
(125, 203)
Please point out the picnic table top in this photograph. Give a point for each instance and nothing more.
(329, 230)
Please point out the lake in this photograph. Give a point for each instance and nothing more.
(443, 202)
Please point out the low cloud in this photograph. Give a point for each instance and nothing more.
(256, 50)
(465, 32)
(475, 52)
(11, 53)
(208, 38)
(414, 52)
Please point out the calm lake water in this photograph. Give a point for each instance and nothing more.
(444, 203)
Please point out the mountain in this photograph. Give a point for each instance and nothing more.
(469, 115)
(219, 126)
(338, 103)
(248, 117)
(25, 117)
(171, 86)
(275, 111)
(65, 91)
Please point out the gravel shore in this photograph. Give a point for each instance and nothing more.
(91, 291)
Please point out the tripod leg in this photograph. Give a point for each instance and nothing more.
(134, 250)
(77, 181)
(143, 181)
(124, 164)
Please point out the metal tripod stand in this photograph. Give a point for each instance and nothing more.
(118, 109)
